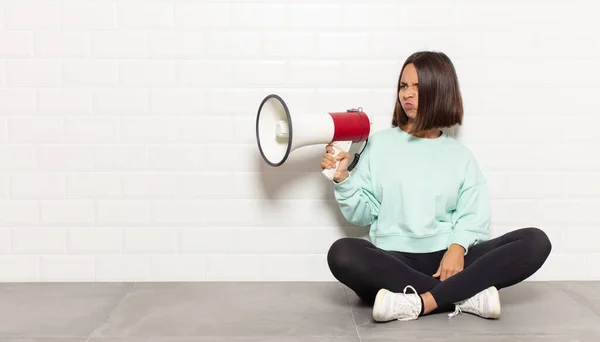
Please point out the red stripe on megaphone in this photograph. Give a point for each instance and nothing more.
(351, 126)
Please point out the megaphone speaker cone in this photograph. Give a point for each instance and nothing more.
(274, 133)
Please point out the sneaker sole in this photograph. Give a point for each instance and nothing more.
(378, 305)
(494, 303)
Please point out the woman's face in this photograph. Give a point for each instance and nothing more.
(409, 90)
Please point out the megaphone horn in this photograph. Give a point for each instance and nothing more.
(278, 135)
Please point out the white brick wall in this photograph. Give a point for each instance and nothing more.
(127, 145)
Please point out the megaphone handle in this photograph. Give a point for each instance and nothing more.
(338, 146)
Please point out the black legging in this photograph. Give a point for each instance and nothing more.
(501, 262)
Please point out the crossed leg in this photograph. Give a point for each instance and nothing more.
(501, 262)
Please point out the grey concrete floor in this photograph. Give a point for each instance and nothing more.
(275, 311)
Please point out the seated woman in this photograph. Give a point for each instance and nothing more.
(427, 204)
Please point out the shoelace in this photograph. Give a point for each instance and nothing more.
(415, 303)
(456, 312)
(467, 302)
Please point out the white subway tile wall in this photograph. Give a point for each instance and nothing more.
(127, 143)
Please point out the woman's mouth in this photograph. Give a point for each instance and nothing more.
(408, 105)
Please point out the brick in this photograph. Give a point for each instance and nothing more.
(2, 73)
(147, 73)
(38, 240)
(17, 101)
(65, 158)
(31, 15)
(189, 15)
(205, 185)
(120, 158)
(33, 72)
(67, 213)
(288, 44)
(122, 267)
(159, 185)
(341, 45)
(5, 238)
(262, 15)
(37, 185)
(232, 44)
(120, 101)
(533, 185)
(206, 240)
(176, 158)
(183, 212)
(119, 212)
(35, 129)
(177, 101)
(204, 73)
(176, 44)
(19, 213)
(63, 101)
(569, 212)
(89, 15)
(93, 185)
(236, 267)
(94, 240)
(370, 15)
(19, 268)
(91, 130)
(582, 184)
(263, 73)
(22, 158)
(233, 101)
(152, 15)
(5, 186)
(307, 73)
(167, 268)
(69, 44)
(118, 44)
(147, 130)
(91, 72)
(296, 267)
(516, 213)
(411, 15)
(150, 240)
(206, 129)
(16, 44)
(63, 268)
(314, 15)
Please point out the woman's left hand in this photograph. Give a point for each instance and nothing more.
(452, 262)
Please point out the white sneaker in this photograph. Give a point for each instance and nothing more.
(396, 306)
(485, 304)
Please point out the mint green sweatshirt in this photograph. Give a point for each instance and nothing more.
(417, 195)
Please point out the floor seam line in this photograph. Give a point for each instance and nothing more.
(352, 313)
(131, 287)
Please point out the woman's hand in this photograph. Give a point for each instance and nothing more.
(329, 161)
(452, 262)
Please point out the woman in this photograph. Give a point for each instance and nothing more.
(427, 204)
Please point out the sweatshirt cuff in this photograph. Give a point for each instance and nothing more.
(345, 188)
(462, 238)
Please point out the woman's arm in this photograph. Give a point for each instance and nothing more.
(355, 194)
(472, 215)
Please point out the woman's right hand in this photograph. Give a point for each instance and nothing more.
(329, 160)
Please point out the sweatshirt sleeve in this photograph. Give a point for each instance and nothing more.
(355, 195)
(472, 215)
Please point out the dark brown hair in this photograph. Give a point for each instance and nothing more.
(440, 101)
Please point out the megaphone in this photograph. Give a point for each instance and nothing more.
(278, 135)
